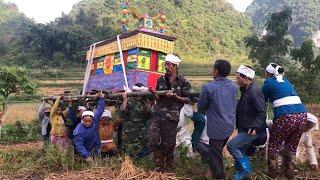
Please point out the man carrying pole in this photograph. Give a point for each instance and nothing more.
(163, 125)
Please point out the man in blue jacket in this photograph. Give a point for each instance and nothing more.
(218, 101)
(86, 134)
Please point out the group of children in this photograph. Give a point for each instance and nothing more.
(90, 130)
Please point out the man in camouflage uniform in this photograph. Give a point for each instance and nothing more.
(163, 125)
(136, 112)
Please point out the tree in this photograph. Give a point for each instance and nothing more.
(3, 46)
(275, 45)
(305, 55)
(14, 80)
(305, 16)
(307, 78)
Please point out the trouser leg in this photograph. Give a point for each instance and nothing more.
(216, 158)
(154, 143)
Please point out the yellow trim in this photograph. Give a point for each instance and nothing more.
(139, 40)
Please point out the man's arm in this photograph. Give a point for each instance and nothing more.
(260, 107)
(204, 100)
(79, 145)
(40, 110)
(72, 115)
(100, 109)
(265, 91)
(54, 109)
(185, 92)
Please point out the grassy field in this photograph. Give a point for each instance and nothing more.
(24, 112)
(35, 161)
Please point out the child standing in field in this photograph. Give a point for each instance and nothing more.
(44, 117)
(86, 135)
(106, 131)
(58, 131)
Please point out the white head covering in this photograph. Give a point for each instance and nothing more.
(246, 71)
(173, 59)
(106, 113)
(274, 71)
(141, 88)
(313, 119)
(81, 108)
(87, 113)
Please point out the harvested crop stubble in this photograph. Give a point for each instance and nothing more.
(36, 145)
(162, 176)
(130, 171)
(95, 173)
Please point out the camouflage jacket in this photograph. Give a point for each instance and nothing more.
(136, 115)
(169, 107)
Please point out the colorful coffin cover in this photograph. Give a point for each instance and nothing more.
(142, 66)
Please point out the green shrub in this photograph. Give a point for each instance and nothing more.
(20, 132)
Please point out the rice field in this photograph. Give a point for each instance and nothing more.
(24, 112)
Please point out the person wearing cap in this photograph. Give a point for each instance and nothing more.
(136, 111)
(290, 118)
(218, 102)
(86, 135)
(44, 117)
(250, 120)
(164, 121)
(306, 141)
(107, 128)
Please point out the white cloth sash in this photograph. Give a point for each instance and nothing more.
(290, 100)
(107, 141)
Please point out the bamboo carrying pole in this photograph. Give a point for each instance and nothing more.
(116, 96)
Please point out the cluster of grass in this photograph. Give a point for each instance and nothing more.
(37, 162)
(20, 132)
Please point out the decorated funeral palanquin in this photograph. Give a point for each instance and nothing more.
(143, 53)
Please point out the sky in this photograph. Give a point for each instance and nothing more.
(44, 11)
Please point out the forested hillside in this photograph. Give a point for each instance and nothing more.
(305, 16)
(205, 29)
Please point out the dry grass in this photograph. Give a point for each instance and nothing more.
(49, 91)
(25, 112)
(128, 171)
(94, 173)
(24, 146)
(61, 81)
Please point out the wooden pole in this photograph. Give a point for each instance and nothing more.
(115, 96)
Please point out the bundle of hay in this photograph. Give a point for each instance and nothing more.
(129, 170)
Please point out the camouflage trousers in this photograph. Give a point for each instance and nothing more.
(137, 150)
(162, 141)
(138, 147)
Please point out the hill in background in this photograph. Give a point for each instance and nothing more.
(305, 16)
(205, 30)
